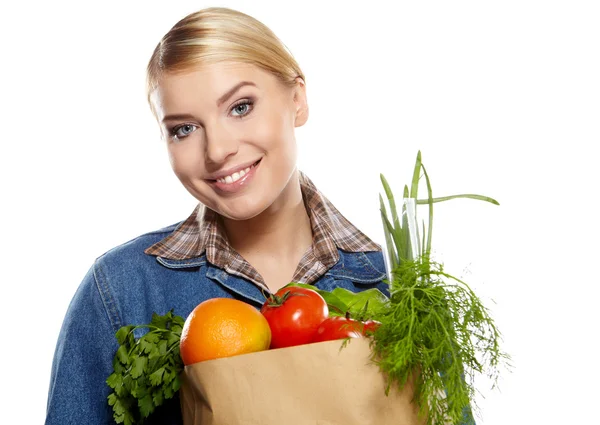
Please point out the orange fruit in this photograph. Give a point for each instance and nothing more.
(223, 327)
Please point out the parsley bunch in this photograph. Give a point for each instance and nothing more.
(146, 370)
(434, 330)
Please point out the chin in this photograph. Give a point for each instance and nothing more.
(241, 209)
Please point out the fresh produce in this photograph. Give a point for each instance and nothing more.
(349, 313)
(146, 370)
(294, 314)
(433, 331)
(434, 323)
(338, 327)
(370, 326)
(223, 327)
(342, 302)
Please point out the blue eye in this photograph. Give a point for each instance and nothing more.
(242, 108)
(183, 130)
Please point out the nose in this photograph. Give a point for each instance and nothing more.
(220, 144)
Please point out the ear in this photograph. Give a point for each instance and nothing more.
(300, 102)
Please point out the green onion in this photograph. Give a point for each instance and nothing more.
(435, 329)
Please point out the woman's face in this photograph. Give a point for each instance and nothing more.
(229, 129)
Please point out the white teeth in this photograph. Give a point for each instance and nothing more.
(235, 176)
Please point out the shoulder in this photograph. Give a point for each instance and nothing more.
(133, 249)
(132, 284)
(126, 270)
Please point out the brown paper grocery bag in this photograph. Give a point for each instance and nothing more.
(314, 384)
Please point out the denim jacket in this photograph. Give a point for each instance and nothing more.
(124, 287)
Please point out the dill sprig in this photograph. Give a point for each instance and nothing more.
(434, 331)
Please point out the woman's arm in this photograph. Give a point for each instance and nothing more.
(83, 360)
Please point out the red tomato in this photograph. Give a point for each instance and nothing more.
(370, 326)
(294, 317)
(338, 328)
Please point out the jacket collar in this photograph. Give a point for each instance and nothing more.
(358, 267)
(331, 230)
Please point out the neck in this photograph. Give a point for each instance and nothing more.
(281, 231)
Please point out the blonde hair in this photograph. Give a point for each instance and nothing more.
(219, 34)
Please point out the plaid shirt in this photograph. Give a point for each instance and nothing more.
(203, 232)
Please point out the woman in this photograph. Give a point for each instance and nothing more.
(227, 96)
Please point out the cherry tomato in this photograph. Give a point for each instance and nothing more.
(370, 326)
(294, 314)
(338, 328)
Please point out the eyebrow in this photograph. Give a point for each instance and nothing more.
(220, 101)
(232, 90)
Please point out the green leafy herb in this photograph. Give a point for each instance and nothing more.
(434, 329)
(146, 370)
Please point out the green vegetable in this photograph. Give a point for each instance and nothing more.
(146, 370)
(434, 329)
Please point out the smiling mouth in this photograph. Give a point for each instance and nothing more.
(237, 175)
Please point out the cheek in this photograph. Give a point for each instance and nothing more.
(276, 132)
(182, 161)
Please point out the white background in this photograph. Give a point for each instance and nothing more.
(502, 98)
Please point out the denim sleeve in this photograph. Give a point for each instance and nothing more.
(82, 360)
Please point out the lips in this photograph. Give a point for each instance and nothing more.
(237, 180)
(235, 176)
(222, 175)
